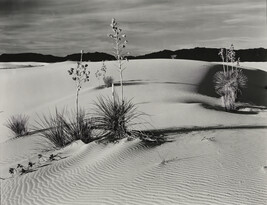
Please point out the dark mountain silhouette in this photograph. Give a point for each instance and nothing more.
(207, 54)
(90, 57)
(29, 57)
(202, 54)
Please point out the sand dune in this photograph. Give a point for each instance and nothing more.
(170, 82)
(228, 170)
(200, 165)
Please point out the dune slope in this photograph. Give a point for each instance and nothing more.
(229, 169)
(222, 164)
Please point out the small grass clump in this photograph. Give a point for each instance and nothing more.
(52, 128)
(78, 131)
(115, 118)
(61, 130)
(18, 124)
(108, 81)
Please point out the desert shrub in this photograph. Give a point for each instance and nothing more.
(108, 80)
(18, 124)
(229, 85)
(78, 131)
(115, 118)
(173, 56)
(229, 82)
(62, 129)
(52, 128)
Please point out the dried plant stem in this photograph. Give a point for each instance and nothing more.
(78, 92)
(120, 44)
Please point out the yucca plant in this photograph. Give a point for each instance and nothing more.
(108, 81)
(115, 118)
(101, 73)
(52, 128)
(80, 75)
(78, 131)
(18, 124)
(229, 82)
(119, 46)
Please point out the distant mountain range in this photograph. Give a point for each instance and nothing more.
(202, 54)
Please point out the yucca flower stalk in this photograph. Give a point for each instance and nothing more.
(101, 72)
(119, 46)
(222, 57)
(231, 56)
(80, 75)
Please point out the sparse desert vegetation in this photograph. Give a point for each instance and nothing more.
(52, 128)
(77, 131)
(141, 131)
(80, 75)
(230, 81)
(108, 81)
(18, 124)
(115, 118)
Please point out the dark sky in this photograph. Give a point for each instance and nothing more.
(62, 27)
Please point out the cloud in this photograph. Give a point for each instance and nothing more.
(67, 26)
(9, 7)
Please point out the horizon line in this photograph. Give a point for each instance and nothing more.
(55, 55)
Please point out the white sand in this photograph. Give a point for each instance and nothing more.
(16, 65)
(226, 170)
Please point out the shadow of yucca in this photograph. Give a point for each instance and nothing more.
(236, 111)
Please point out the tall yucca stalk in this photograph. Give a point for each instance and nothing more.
(119, 46)
(80, 75)
(229, 82)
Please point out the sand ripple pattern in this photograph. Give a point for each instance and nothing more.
(195, 172)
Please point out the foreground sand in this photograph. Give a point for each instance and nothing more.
(228, 170)
(215, 166)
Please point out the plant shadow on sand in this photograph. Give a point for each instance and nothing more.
(181, 130)
(254, 94)
(252, 110)
(220, 108)
(144, 82)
